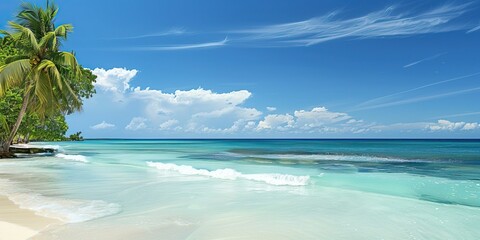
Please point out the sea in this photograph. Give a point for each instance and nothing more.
(252, 189)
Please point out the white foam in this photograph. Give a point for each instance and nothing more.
(23, 145)
(77, 158)
(230, 174)
(333, 157)
(65, 210)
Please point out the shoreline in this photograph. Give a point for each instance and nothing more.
(21, 224)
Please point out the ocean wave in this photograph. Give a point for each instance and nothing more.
(36, 145)
(230, 174)
(77, 158)
(333, 157)
(65, 210)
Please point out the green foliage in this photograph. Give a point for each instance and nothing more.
(6, 50)
(10, 105)
(50, 129)
(33, 68)
(3, 127)
(33, 127)
(39, 67)
(76, 137)
(81, 84)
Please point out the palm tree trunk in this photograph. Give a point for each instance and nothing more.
(27, 138)
(13, 132)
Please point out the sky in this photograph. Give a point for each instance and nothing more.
(275, 69)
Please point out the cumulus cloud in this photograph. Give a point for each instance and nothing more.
(317, 117)
(440, 125)
(445, 125)
(168, 124)
(102, 125)
(137, 123)
(276, 122)
(195, 109)
(115, 79)
(201, 111)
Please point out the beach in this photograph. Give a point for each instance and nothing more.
(245, 189)
(20, 224)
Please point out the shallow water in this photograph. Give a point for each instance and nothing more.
(253, 189)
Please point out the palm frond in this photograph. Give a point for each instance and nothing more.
(43, 88)
(71, 98)
(63, 30)
(49, 67)
(15, 58)
(49, 41)
(68, 60)
(4, 33)
(29, 16)
(13, 74)
(27, 34)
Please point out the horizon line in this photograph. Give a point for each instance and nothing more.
(475, 138)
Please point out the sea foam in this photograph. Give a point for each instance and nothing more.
(76, 158)
(65, 210)
(231, 174)
(333, 157)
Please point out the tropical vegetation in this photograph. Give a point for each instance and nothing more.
(39, 83)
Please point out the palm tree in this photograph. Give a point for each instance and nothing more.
(40, 69)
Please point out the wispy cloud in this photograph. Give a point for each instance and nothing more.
(423, 60)
(383, 23)
(458, 115)
(170, 32)
(418, 99)
(474, 29)
(378, 99)
(182, 47)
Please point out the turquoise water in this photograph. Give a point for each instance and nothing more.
(253, 189)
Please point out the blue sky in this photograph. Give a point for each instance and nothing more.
(276, 68)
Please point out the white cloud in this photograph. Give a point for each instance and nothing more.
(445, 125)
(195, 109)
(419, 99)
(102, 125)
(183, 47)
(276, 122)
(384, 23)
(423, 60)
(168, 124)
(440, 125)
(376, 102)
(173, 31)
(474, 29)
(115, 79)
(137, 123)
(199, 112)
(318, 117)
(471, 126)
(271, 109)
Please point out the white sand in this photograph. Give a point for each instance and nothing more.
(10, 231)
(19, 224)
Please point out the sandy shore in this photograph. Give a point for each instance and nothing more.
(17, 223)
